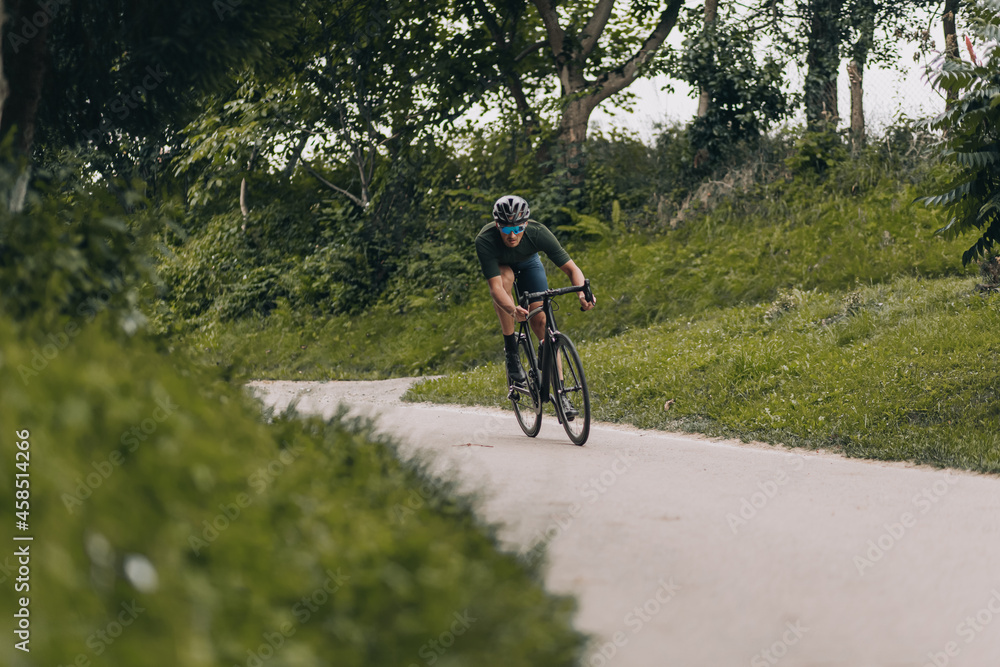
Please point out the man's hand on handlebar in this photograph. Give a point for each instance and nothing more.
(520, 314)
(584, 304)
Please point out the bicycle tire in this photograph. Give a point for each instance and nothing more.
(527, 406)
(572, 384)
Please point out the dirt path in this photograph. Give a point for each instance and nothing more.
(687, 552)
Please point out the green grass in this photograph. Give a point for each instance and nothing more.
(378, 344)
(138, 453)
(906, 370)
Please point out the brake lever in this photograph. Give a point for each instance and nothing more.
(587, 294)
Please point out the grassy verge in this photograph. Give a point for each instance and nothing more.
(172, 527)
(905, 370)
(380, 343)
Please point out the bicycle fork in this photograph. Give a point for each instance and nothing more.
(547, 367)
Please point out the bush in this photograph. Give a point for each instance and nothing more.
(816, 151)
(73, 251)
(156, 492)
(971, 139)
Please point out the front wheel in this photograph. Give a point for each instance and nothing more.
(527, 400)
(571, 396)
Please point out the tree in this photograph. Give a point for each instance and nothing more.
(972, 126)
(517, 45)
(593, 50)
(743, 87)
(360, 84)
(3, 79)
(864, 27)
(872, 35)
(112, 74)
(334, 140)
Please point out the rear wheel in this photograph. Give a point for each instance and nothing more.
(569, 384)
(526, 399)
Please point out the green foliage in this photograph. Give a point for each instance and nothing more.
(136, 453)
(746, 94)
(74, 251)
(498, 157)
(121, 79)
(905, 370)
(327, 256)
(646, 181)
(584, 226)
(816, 150)
(227, 272)
(972, 142)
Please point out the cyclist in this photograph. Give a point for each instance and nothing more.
(508, 248)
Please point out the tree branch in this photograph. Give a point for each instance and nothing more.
(595, 26)
(528, 50)
(296, 153)
(503, 47)
(557, 37)
(331, 185)
(491, 24)
(614, 81)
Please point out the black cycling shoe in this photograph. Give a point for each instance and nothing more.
(514, 371)
(568, 410)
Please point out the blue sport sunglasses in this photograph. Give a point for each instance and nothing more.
(513, 230)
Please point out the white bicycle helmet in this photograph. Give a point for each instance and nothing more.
(511, 210)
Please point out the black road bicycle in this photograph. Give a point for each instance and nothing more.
(556, 377)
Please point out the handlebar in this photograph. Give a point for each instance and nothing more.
(528, 297)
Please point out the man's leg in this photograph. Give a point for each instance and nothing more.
(507, 324)
(537, 322)
(506, 321)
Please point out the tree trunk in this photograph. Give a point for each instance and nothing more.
(711, 12)
(950, 37)
(823, 62)
(863, 18)
(296, 153)
(856, 74)
(244, 203)
(3, 79)
(573, 134)
(25, 73)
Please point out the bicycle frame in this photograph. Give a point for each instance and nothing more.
(549, 364)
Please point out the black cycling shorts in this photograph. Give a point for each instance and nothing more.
(529, 276)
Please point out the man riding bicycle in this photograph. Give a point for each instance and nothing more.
(507, 249)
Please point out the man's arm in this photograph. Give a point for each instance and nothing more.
(576, 278)
(503, 299)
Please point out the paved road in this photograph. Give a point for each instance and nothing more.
(688, 552)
